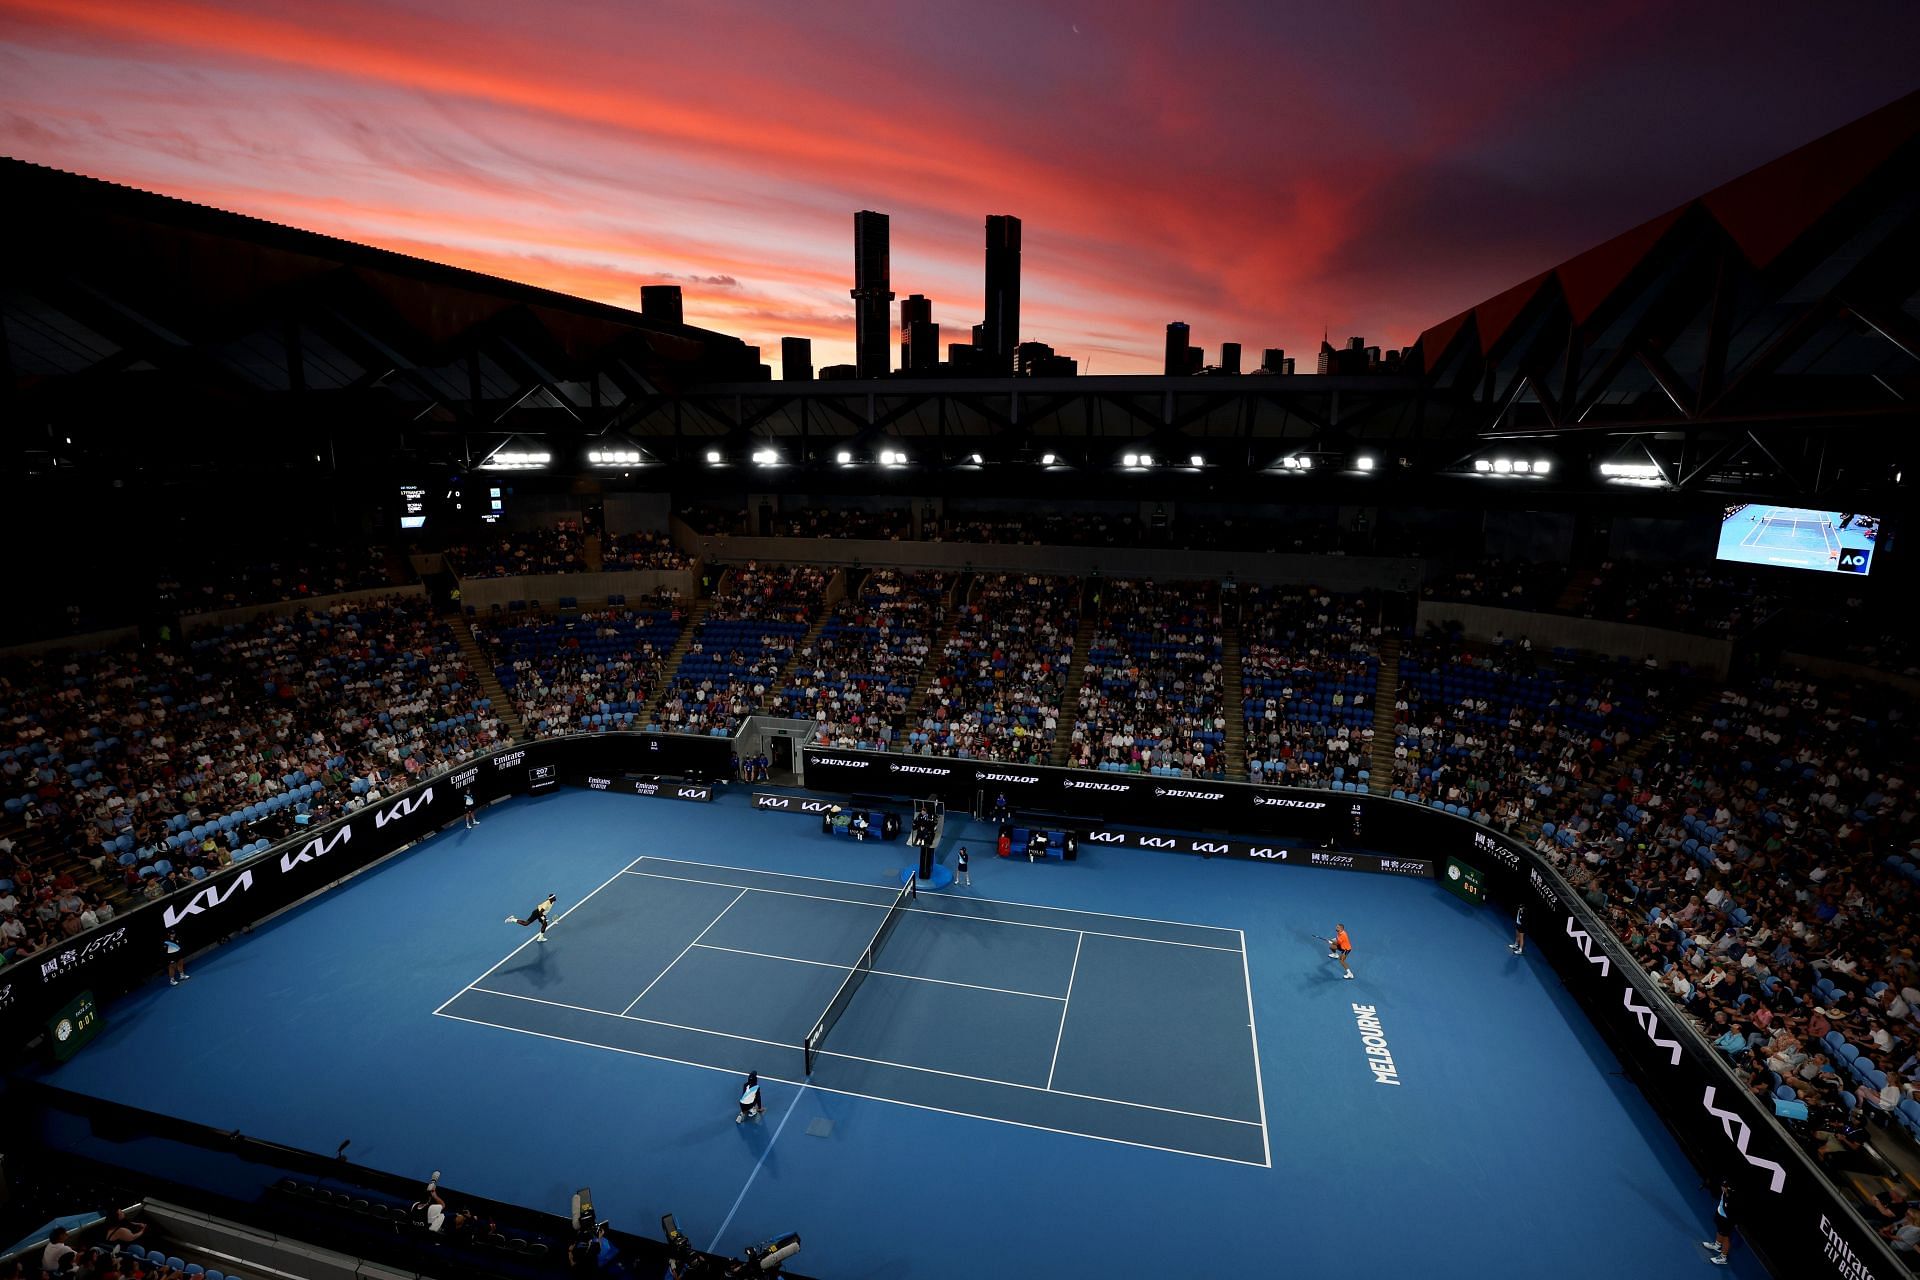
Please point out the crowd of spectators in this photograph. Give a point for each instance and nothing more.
(857, 680)
(163, 764)
(1760, 863)
(1871, 631)
(1034, 528)
(559, 548)
(1002, 675)
(1493, 731)
(584, 672)
(641, 549)
(892, 524)
(215, 581)
(1716, 602)
(1504, 584)
(712, 521)
(733, 667)
(1150, 697)
(1309, 669)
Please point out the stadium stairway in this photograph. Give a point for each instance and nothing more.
(482, 664)
(1233, 693)
(957, 594)
(591, 552)
(1573, 597)
(1384, 696)
(696, 614)
(1082, 646)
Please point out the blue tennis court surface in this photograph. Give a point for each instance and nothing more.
(1053, 1072)
(996, 1010)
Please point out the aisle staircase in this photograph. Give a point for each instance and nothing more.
(590, 553)
(1233, 695)
(696, 614)
(482, 664)
(949, 621)
(1573, 597)
(1385, 695)
(1070, 700)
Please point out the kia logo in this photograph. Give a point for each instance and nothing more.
(1736, 1130)
(211, 896)
(402, 808)
(1262, 851)
(1106, 837)
(314, 848)
(1585, 940)
(1209, 846)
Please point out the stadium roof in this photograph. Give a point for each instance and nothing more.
(118, 302)
(1788, 296)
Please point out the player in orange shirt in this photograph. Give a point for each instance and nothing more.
(1339, 947)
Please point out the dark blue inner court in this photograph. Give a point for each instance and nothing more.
(1136, 1064)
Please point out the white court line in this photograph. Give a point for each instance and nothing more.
(869, 1097)
(878, 973)
(939, 893)
(683, 953)
(1259, 1086)
(633, 1017)
(529, 942)
(850, 1057)
(1064, 1004)
(737, 1200)
(1030, 1088)
(944, 915)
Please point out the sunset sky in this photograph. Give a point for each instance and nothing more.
(1259, 170)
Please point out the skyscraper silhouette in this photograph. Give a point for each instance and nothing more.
(1001, 328)
(915, 308)
(1176, 349)
(871, 294)
(796, 359)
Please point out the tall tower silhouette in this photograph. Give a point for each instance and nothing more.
(1001, 327)
(871, 294)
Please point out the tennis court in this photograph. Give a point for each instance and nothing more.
(1118, 1028)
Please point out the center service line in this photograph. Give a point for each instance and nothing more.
(741, 1198)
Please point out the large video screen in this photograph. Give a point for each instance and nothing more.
(1799, 538)
(413, 507)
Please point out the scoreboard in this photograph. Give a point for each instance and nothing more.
(1464, 882)
(70, 1029)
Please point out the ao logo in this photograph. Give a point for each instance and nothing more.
(1854, 561)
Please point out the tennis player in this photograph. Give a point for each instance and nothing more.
(472, 821)
(537, 916)
(751, 1108)
(1340, 948)
(1519, 943)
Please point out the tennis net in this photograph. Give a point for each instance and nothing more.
(861, 969)
(1795, 526)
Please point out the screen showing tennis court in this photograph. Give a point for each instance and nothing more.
(1799, 538)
